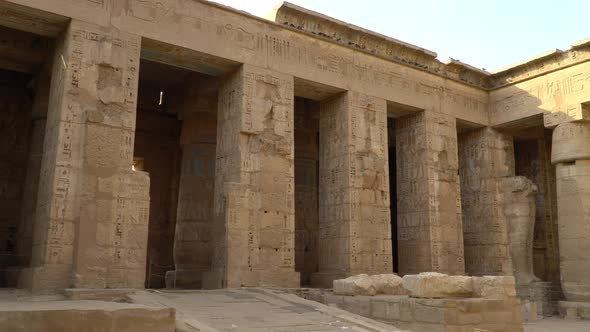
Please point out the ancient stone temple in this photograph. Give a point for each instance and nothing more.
(184, 144)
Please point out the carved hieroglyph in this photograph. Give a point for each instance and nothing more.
(92, 209)
(254, 212)
(430, 235)
(355, 233)
(486, 155)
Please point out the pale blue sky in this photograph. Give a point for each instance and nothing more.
(485, 34)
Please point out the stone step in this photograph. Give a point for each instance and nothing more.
(88, 316)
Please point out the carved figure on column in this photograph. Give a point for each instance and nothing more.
(518, 196)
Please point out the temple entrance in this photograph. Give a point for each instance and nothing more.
(15, 127)
(24, 90)
(393, 191)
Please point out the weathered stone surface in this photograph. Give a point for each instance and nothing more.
(573, 203)
(353, 176)
(571, 142)
(494, 287)
(437, 285)
(388, 284)
(416, 314)
(485, 156)
(430, 235)
(82, 218)
(518, 201)
(253, 204)
(360, 284)
(363, 284)
(91, 316)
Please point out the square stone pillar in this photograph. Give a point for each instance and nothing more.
(254, 232)
(92, 209)
(485, 156)
(430, 235)
(354, 223)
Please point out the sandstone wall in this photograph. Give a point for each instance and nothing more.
(92, 209)
(485, 156)
(254, 212)
(430, 235)
(355, 233)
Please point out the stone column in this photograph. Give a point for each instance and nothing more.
(254, 231)
(430, 235)
(486, 156)
(354, 223)
(92, 209)
(192, 240)
(571, 155)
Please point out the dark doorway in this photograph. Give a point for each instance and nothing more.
(393, 190)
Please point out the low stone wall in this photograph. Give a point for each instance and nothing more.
(430, 315)
(89, 316)
(429, 302)
(574, 310)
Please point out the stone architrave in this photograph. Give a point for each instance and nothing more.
(354, 223)
(254, 215)
(430, 235)
(571, 155)
(92, 209)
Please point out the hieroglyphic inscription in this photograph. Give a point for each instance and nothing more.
(485, 157)
(255, 162)
(429, 214)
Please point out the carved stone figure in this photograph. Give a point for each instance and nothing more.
(518, 197)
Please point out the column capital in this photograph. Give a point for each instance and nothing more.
(571, 141)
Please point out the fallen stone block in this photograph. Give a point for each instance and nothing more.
(437, 285)
(494, 287)
(360, 284)
(388, 284)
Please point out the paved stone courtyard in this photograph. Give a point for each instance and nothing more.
(259, 310)
(255, 310)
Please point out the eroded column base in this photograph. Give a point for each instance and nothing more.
(326, 279)
(574, 310)
(187, 279)
(45, 279)
(235, 279)
(544, 295)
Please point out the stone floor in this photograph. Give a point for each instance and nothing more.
(256, 310)
(557, 325)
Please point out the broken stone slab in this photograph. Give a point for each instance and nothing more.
(360, 284)
(363, 284)
(388, 284)
(438, 285)
(494, 287)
